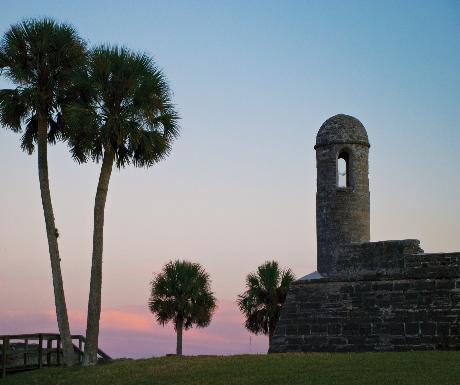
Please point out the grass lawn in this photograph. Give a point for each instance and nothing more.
(416, 368)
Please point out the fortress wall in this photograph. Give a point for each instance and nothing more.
(370, 315)
(377, 258)
(433, 265)
(376, 313)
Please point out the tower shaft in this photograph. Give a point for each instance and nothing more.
(342, 198)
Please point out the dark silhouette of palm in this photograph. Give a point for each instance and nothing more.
(124, 116)
(181, 293)
(266, 291)
(41, 57)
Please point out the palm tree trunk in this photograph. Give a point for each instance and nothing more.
(94, 301)
(51, 232)
(179, 328)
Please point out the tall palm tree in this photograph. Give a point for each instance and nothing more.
(125, 117)
(265, 294)
(39, 56)
(181, 293)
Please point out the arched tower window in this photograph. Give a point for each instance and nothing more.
(343, 172)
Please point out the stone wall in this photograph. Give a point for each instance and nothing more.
(418, 309)
(376, 258)
(432, 265)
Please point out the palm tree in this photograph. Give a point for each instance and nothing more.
(126, 116)
(40, 56)
(265, 294)
(181, 293)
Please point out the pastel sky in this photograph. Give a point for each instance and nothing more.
(253, 81)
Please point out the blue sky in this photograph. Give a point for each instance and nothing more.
(253, 82)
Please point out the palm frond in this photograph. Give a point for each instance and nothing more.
(13, 109)
(29, 138)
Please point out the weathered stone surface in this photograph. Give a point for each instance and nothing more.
(428, 265)
(384, 258)
(341, 129)
(342, 213)
(370, 314)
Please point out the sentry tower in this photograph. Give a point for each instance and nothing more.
(342, 197)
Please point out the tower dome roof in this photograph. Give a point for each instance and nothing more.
(341, 129)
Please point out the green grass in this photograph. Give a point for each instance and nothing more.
(418, 368)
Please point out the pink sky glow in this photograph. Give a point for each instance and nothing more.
(131, 331)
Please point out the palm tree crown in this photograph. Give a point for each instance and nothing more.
(181, 293)
(40, 57)
(126, 110)
(265, 294)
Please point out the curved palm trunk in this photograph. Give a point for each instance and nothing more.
(94, 301)
(59, 297)
(179, 328)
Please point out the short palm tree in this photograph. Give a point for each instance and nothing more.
(40, 57)
(265, 294)
(181, 293)
(125, 116)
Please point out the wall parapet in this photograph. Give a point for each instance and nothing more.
(428, 265)
(378, 258)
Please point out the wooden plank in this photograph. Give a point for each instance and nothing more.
(103, 355)
(33, 336)
(78, 336)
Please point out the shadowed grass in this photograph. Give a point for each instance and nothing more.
(418, 368)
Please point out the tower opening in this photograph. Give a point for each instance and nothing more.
(343, 174)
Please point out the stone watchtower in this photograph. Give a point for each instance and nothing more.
(368, 296)
(342, 197)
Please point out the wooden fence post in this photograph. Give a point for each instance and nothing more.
(58, 350)
(40, 351)
(26, 348)
(80, 346)
(4, 350)
(49, 346)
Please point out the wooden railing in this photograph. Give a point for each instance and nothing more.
(20, 349)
